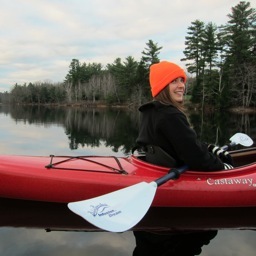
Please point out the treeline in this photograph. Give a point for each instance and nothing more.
(220, 59)
(118, 83)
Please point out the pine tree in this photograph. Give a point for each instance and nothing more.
(151, 52)
(239, 36)
(193, 54)
(209, 57)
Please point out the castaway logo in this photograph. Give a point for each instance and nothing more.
(103, 210)
(246, 181)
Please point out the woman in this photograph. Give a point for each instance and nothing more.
(168, 139)
(164, 124)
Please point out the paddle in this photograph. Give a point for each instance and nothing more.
(239, 139)
(121, 210)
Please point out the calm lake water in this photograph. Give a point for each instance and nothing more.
(69, 131)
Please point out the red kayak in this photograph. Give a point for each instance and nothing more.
(66, 179)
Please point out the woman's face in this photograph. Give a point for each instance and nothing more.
(177, 89)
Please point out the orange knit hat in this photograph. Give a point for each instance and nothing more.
(163, 73)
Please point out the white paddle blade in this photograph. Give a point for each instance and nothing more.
(242, 139)
(118, 211)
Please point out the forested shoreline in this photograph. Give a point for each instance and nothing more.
(220, 61)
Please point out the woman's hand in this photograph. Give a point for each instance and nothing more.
(219, 152)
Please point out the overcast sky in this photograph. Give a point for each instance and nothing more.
(39, 38)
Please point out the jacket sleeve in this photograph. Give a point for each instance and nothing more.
(188, 148)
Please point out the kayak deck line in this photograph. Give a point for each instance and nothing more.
(55, 165)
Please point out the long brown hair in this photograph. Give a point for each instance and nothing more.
(165, 98)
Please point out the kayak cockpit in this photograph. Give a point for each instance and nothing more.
(241, 157)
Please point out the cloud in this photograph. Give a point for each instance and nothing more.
(38, 39)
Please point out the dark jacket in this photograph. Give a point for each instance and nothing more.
(168, 128)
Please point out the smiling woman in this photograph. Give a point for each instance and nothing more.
(164, 124)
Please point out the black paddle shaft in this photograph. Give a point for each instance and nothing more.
(174, 173)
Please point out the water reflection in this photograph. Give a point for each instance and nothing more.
(78, 131)
(83, 126)
(118, 128)
(217, 127)
(176, 243)
(24, 242)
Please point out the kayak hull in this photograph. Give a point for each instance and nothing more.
(57, 217)
(65, 179)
